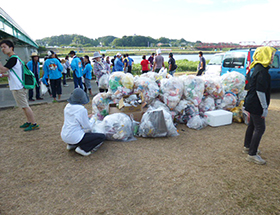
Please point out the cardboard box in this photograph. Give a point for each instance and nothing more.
(132, 108)
(218, 117)
(137, 115)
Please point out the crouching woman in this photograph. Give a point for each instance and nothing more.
(76, 120)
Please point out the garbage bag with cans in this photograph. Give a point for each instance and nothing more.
(171, 91)
(115, 86)
(207, 104)
(120, 84)
(100, 104)
(148, 87)
(213, 86)
(233, 82)
(185, 110)
(118, 126)
(158, 104)
(193, 88)
(157, 123)
(229, 101)
(127, 82)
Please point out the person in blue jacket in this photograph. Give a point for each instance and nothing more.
(34, 66)
(53, 69)
(76, 66)
(87, 74)
(130, 63)
(118, 63)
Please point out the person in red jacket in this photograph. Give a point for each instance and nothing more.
(145, 64)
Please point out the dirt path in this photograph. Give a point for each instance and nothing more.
(198, 172)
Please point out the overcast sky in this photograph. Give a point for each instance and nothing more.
(204, 20)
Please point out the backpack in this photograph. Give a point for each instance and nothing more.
(28, 78)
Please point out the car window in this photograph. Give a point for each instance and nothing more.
(234, 60)
(216, 60)
(275, 63)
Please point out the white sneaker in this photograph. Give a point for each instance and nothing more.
(70, 147)
(256, 159)
(82, 152)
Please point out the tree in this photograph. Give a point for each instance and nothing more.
(163, 40)
(117, 42)
(107, 40)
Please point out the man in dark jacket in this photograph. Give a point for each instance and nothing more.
(201, 65)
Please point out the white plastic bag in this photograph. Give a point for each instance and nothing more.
(43, 88)
(197, 122)
(103, 82)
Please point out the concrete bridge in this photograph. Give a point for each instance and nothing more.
(9, 29)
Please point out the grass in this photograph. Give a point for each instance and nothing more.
(4, 80)
(183, 66)
(197, 172)
(130, 50)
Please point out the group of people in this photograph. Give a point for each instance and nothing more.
(122, 63)
(76, 117)
(156, 63)
(54, 69)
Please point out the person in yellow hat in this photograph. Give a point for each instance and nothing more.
(257, 102)
(34, 66)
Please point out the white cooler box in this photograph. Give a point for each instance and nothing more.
(218, 117)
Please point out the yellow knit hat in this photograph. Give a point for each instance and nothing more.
(263, 56)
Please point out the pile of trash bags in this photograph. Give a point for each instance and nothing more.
(120, 84)
(167, 100)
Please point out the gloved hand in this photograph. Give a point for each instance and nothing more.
(265, 111)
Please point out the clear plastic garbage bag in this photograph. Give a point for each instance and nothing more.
(197, 122)
(118, 126)
(171, 91)
(233, 82)
(193, 88)
(207, 104)
(157, 123)
(103, 82)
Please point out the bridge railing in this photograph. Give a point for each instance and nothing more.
(9, 26)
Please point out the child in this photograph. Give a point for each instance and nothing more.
(76, 119)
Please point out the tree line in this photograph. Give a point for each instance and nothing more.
(126, 41)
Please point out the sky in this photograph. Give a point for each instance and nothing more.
(194, 20)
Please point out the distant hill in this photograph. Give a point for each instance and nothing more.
(125, 41)
(74, 40)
